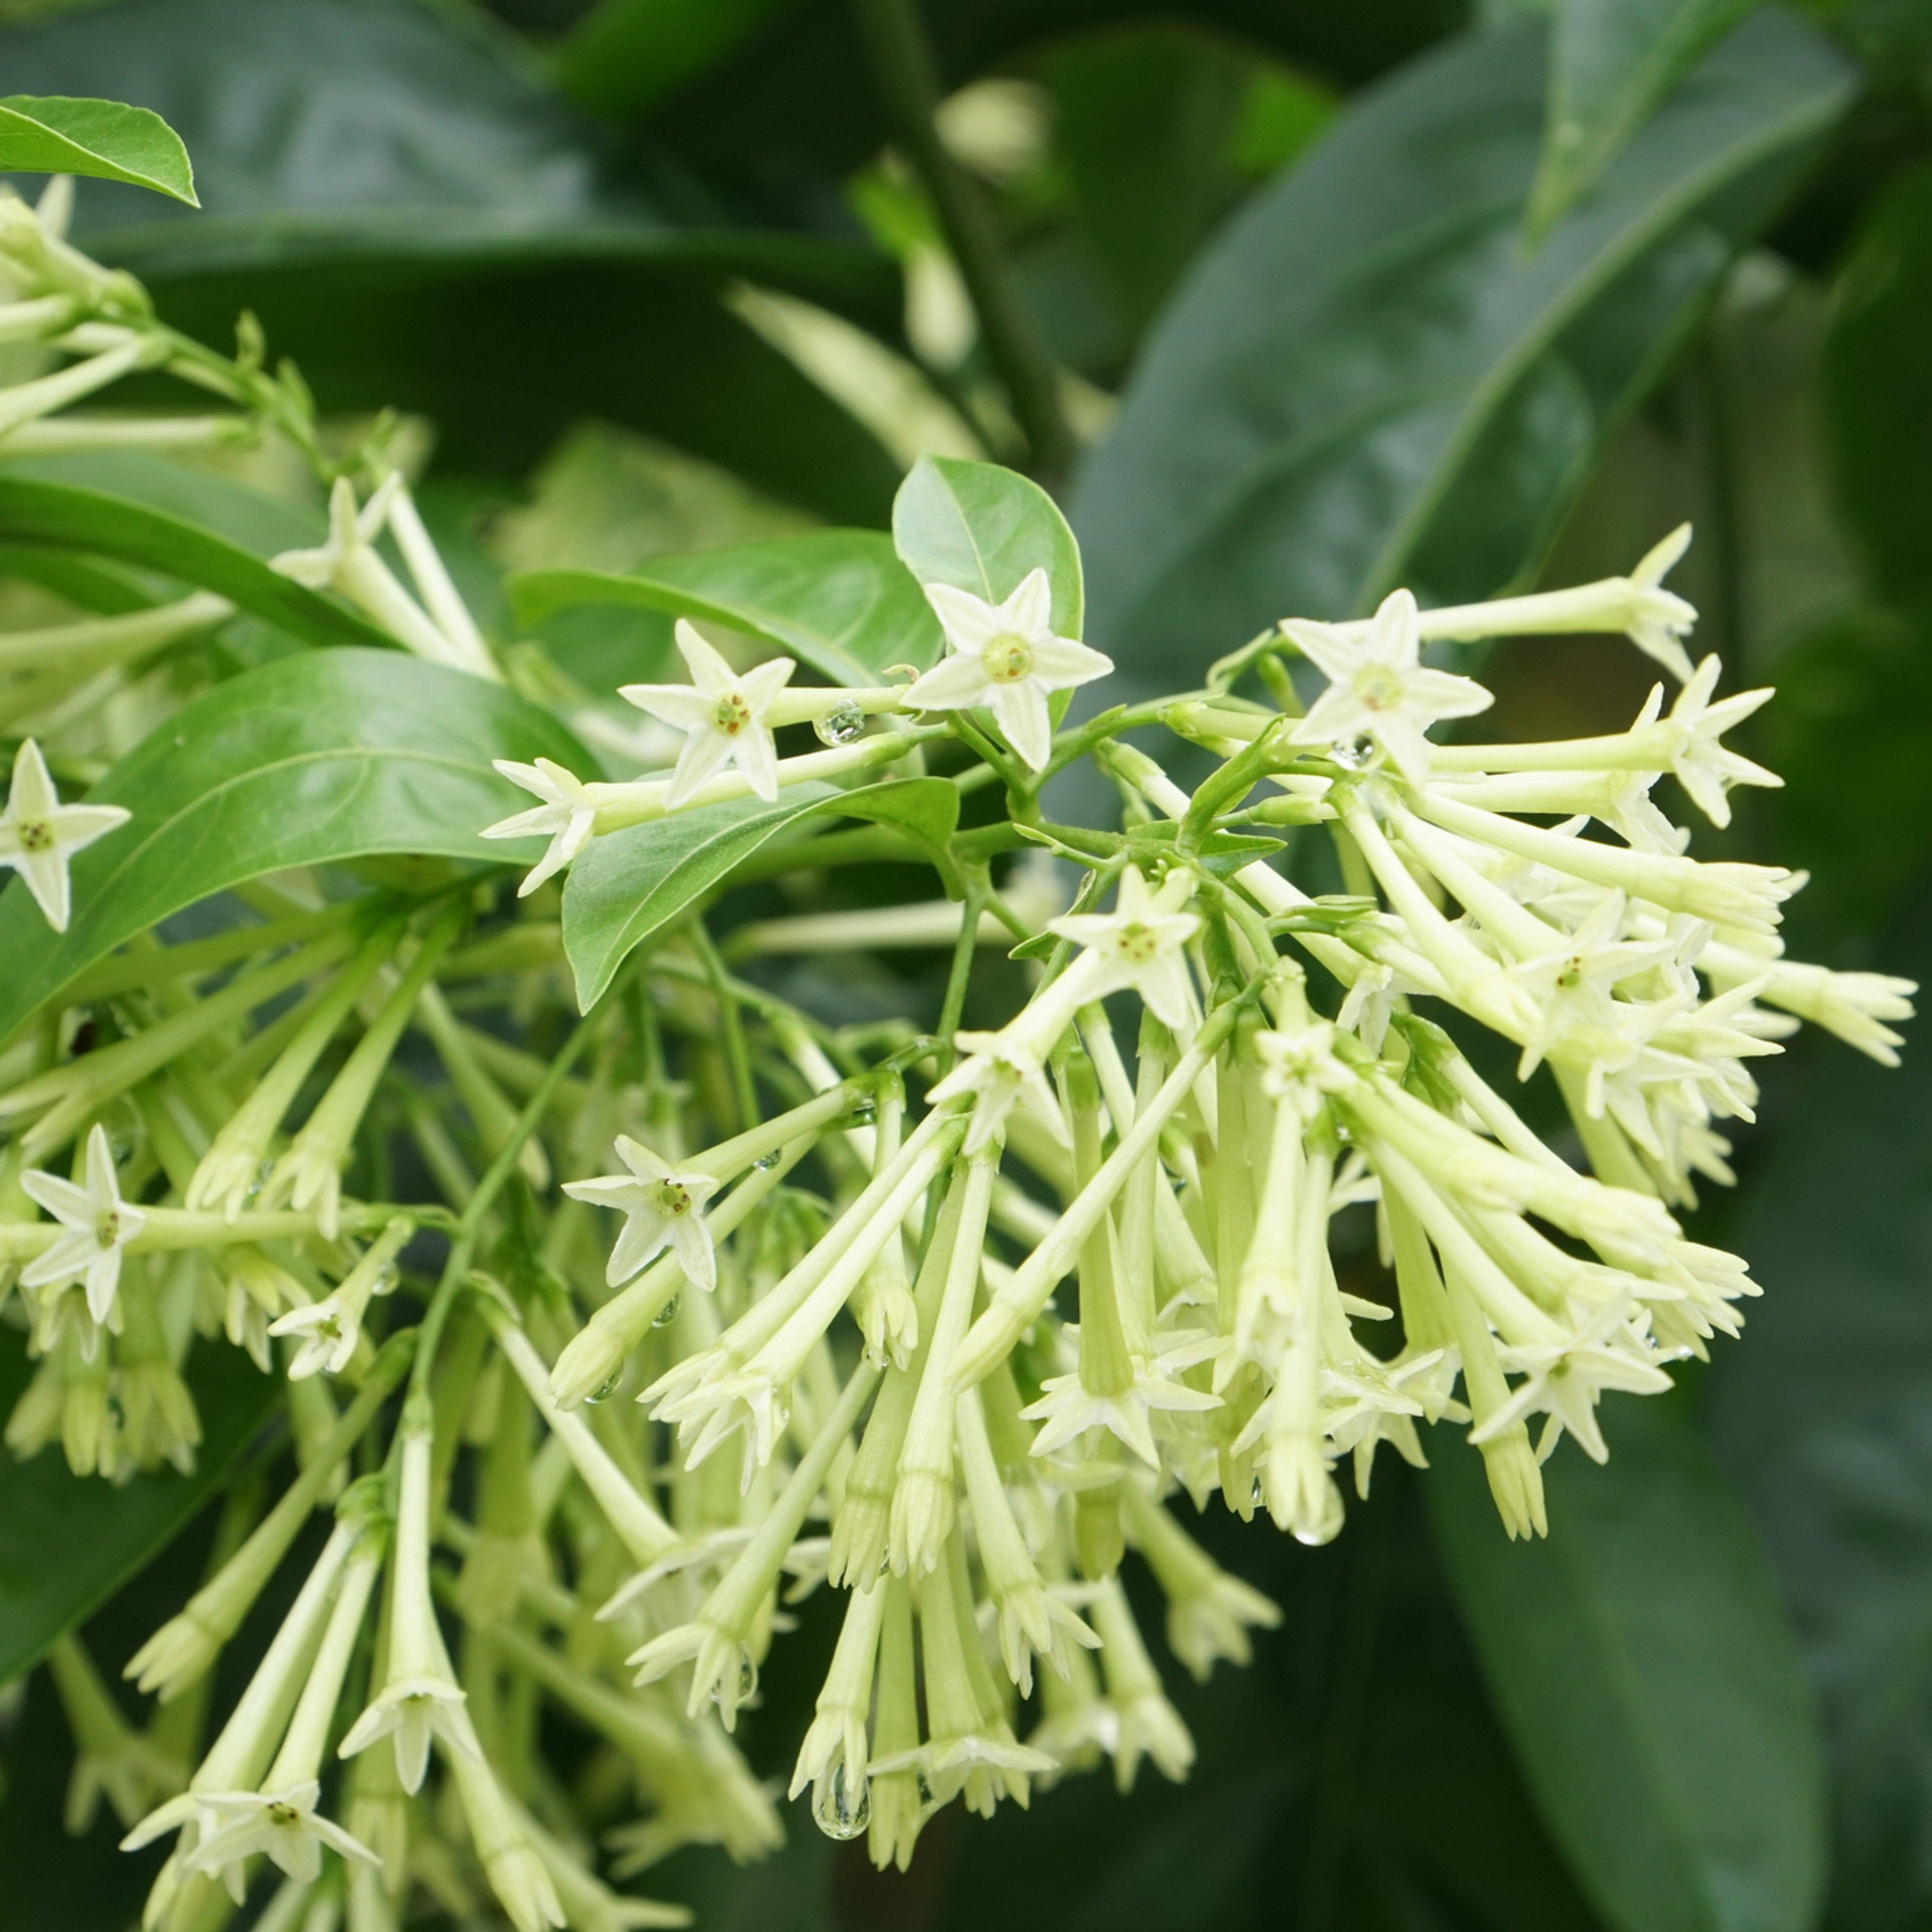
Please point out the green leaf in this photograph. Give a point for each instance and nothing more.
(314, 759)
(623, 56)
(628, 885)
(839, 601)
(1648, 1681)
(433, 231)
(68, 1543)
(983, 529)
(1821, 1415)
(1611, 61)
(1877, 384)
(1365, 381)
(103, 138)
(57, 514)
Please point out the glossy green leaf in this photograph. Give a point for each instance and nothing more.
(839, 601)
(68, 1543)
(1877, 382)
(102, 138)
(434, 231)
(1611, 62)
(1647, 1680)
(982, 528)
(318, 757)
(630, 884)
(1821, 1415)
(60, 515)
(1366, 381)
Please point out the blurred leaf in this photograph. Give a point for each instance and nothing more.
(57, 514)
(68, 1543)
(1877, 382)
(102, 138)
(624, 56)
(1648, 1681)
(1860, 684)
(1364, 382)
(983, 529)
(1825, 1417)
(1145, 124)
(1611, 62)
(421, 226)
(630, 883)
(316, 758)
(839, 601)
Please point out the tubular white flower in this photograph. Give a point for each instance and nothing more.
(661, 1208)
(566, 815)
(39, 835)
(1142, 944)
(1006, 658)
(722, 715)
(1378, 687)
(100, 1225)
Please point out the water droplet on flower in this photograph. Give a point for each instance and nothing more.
(863, 1114)
(837, 1812)
(766, 1162)
(840, 727)
(667, 1314)
(605, 1390)
(747, 1684)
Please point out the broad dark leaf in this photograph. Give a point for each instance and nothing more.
(1647, 1680)
(422, 226)
(1878, 386)
(623, 56)
(102, 138)
(1366, 382)
(1611, 61)
(1824, 1416)
(62, 516)
(68, 1543)
(314, 759)
(630, 884)
(839, 601)
(983, 529)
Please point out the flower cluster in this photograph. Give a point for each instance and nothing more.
(957, 1325)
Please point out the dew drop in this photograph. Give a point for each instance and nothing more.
(605, 1390)
(863, 1114)
(766, 1162)
(836, 1811)
(840, 727)
(667, 1314)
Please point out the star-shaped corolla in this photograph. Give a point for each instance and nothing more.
(1143, 942)
(721, 715)
(1378, 688)
(566, 816)
(328, 1333)
(999, 1072)
(1565, 1379)
(412, 1710)
(1659, 620)
(39, 835)
(1066, 1410)
(100, 1225)
(1006, 658)
(1702, 766)
(283, 1824)
(661, 1209)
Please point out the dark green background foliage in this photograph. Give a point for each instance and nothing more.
(1395, 291)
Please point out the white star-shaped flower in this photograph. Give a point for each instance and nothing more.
(1378, 688)
(999, 1073)
(39, 835)
(1066, 1410)
(100, 1225)
(1659, 620)
(660, 1207)
(351, 532)
(721, 715)
(412, 1710)
(1006, 657)
(1564, 1380)
(329, 1332)
(283, 1824)
(1143, 942)
(1702, 766)
(567, 817)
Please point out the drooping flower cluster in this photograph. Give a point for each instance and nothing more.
(958, 1325)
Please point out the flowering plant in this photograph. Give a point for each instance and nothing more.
(683, 1305)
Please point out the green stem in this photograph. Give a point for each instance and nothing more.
(907, 75)
(964, 948)
(730, 1026)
